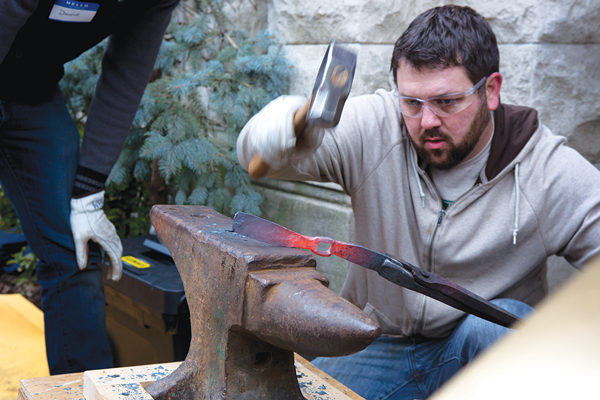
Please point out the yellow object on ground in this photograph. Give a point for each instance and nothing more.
(22, 346)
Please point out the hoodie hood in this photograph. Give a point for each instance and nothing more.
(514, 126)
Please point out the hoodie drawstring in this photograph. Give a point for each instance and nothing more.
(517, 195)
(421, 193)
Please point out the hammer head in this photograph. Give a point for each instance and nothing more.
(332, 86)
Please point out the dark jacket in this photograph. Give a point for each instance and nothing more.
(37, 38)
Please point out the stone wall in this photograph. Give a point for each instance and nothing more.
(549, 57)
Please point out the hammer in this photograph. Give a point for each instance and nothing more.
(324, 108)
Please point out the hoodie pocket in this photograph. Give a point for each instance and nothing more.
(387, 326)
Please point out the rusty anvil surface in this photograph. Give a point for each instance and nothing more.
(251, 306)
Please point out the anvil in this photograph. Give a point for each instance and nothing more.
(251, 306)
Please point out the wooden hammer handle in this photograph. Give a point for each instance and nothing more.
(257, 167)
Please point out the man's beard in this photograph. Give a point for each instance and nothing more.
(456, 153)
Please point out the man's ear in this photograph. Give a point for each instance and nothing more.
(492, 90)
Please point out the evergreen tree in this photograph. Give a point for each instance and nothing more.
(209, 79)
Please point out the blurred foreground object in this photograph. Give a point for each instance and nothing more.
(555, 354)
(22, 346)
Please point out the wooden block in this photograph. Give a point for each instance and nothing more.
(317, 385)
(67, 386)
(134, 391)
(128, 384)
(21, 395)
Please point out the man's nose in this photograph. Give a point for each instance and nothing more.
(429, 120)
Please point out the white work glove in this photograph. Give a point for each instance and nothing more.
(88, 222)
(272, 128)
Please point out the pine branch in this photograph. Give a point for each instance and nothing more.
(210, 78)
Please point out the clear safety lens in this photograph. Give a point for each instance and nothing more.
(442, 106)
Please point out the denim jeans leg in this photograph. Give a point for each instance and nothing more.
(414, 368)
(39, 152)
(383, 368)
(472, 336)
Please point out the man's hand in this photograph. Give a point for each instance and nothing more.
(273, 129)
(88, 222)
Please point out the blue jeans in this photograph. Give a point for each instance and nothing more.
(415, 367)
(39, 153)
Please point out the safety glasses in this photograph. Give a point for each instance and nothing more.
(442, 106)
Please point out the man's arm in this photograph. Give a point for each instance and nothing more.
(126, 68)
(13, 15)
(569, 209)
(343, 154)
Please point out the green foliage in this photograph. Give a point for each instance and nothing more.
(209, 80)
(9, 222)
(27, 262)
(126, 206)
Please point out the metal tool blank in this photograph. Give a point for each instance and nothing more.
(398, 272)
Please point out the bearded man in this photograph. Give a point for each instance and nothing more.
(443, 175)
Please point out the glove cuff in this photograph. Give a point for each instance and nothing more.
(92, 202)
(87, 181)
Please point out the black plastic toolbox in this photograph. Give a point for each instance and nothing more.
(147, 316)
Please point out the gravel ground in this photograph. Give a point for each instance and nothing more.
(31, 291)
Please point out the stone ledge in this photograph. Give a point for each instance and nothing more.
(326, 191)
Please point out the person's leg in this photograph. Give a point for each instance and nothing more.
(39, 152)
(414, 368)
(382, 368)
(438, 361)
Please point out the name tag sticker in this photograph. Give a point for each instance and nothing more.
(73, 11)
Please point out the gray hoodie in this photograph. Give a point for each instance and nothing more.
(534, 187)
